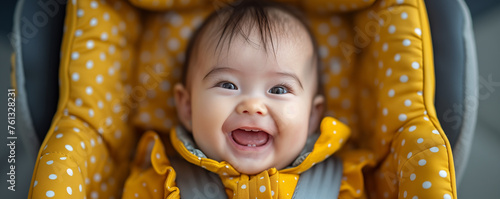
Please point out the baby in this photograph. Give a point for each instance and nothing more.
(250, 92)
(249, 104)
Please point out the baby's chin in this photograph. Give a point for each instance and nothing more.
(251, 166)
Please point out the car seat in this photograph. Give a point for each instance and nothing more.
(96, 123)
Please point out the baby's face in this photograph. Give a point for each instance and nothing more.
(250, 107)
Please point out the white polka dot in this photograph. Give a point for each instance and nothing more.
(405, 194)
(50, 162)
(418, 31)
(426, 185)
(118, 134)
(413, 176)
(97, 177)
(406, 42)
(404, 15)
(89, 64)
(78, 33)
(82, 144)
(173, 44)
(186, 32)
(262, 189)
(93, 4)
(399, 1)
(90, 44)
(111, 49)
(91, 113)
(334, 92)
(88, 90)
(407, 102)
(384, 128)
(80, 12)
(403, 143)
(388, 72)
(80, 187)
(323, 51)
(111, 71)
(414, 197)
(409, 155)
(50, 193)
(78, 102)
(443, 173)
(105, 16)
(94, 194)
(333, 40)
(385, 47)
(422, 162)
(243, 186)
(415, 65)
(108, 96)
(420, 140)
(446, 196)
(323, 28)
(69, 190)
(75, 55)
(102, 56)
(52, 176)
(70, 172)
(93, 22)
(157, 156)
(412, 128)
(403, 79)
(391, 93)
(392, 29)
(402, 117)
(100, 105)
(435, 132)
(59, 135)
(397, 57)
(385, 111)
(75, 77)
(104, 36)
(434, 149)
(98, 79)
(272, 193)
(69, 147)
(76, 129)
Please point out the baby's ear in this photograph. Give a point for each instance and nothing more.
(183, 105)
(316, 113)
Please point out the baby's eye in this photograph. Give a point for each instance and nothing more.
(278, 90)
(227, 85)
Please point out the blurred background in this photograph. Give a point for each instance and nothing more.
(482, 176)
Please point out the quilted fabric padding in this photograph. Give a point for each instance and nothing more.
(120, 60)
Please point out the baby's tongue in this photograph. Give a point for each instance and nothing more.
(249, 137)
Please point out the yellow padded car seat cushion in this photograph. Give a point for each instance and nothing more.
(120, 60)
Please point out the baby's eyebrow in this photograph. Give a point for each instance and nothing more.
(292, 76)
(218, 69)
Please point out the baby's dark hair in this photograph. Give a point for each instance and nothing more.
(257, 12)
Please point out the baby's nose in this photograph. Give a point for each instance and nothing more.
(252, 106)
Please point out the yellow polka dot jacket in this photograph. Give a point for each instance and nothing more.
(120, 59)
(154, 176)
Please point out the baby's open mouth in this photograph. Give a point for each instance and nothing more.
(250, 137)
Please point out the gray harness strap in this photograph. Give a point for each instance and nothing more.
(320, 181)
(195, 182)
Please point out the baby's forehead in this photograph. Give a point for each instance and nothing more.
(271, 30)
(220, 32)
